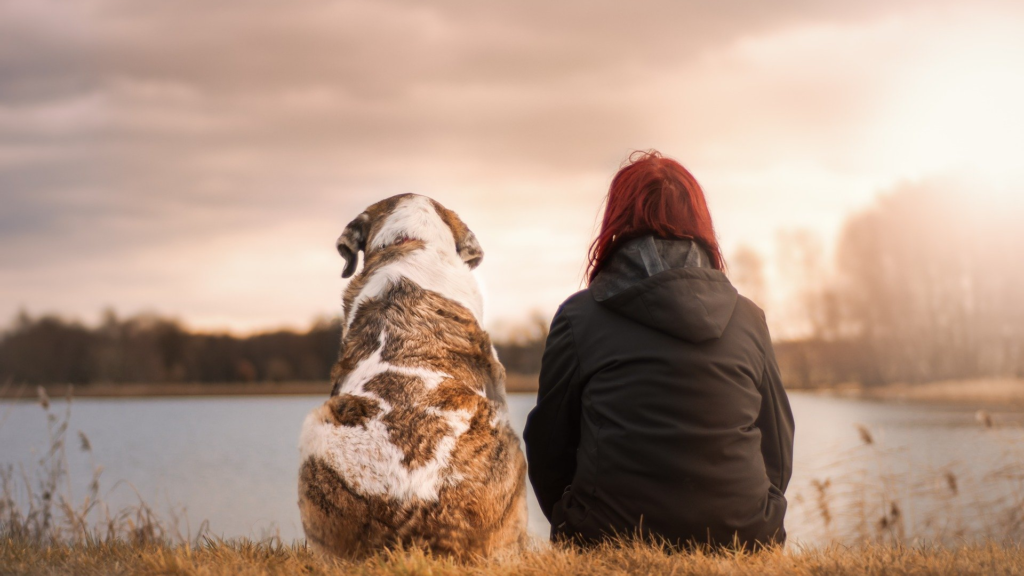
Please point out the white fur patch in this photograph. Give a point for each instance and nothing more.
(365, 457)
(414, 217)
(373, 365)
(436, 267)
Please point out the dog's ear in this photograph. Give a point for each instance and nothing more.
(469, 249)
(351, 241)
(466, 243)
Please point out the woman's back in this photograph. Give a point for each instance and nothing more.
(660, 406)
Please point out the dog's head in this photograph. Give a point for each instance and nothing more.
(407, 217)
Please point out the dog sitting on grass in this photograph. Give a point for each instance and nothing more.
(414, 446)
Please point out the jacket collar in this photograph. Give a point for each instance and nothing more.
(643, 257)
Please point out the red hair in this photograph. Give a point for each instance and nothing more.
(653, 195)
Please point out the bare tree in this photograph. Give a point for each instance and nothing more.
(746, 270)
(926, 283)
(801, 261)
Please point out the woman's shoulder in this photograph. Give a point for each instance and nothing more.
(579, 303)
(749, 307)
(750, 314)
(582, 297)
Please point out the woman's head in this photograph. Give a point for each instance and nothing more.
(653, 195)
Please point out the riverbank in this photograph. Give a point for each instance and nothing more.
(515, 383)
(169, 390)
(1001, 392)
(250, 558)
(1006, 392)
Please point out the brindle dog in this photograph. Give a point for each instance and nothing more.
(414, 446)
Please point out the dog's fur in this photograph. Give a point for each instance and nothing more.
(414, 447)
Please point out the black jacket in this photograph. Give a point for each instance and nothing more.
(660, 407)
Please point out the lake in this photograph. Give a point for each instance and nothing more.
(861, 467)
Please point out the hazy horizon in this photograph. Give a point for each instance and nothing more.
(199, 162)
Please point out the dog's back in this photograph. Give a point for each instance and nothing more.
(414, 446)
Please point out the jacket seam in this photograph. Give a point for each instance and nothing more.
(575, 348)
(643, 300)
(775, 418)
(576, 379)
(702, 305)
(764, 368)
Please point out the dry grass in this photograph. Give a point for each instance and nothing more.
(246, 557)
(38, 506)
(991, 391)
(891, 495)
(43, 530)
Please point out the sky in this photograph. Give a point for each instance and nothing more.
(199, 159)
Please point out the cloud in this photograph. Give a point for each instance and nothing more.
(158, 152)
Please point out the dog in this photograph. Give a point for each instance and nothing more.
(414, 447)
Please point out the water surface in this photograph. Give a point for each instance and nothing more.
(234, 460)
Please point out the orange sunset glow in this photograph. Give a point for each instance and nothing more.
(200, 160)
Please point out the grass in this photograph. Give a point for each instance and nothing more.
(251, 558)
(43, 530)
(875, 493)
(993, 391)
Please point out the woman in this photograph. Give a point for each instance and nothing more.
(660, 410)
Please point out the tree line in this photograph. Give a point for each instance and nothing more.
(151, 349)
(926, 284)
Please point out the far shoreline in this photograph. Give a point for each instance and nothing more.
(514, 384)
(981, 392)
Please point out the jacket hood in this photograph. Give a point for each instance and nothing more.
(668, 285)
